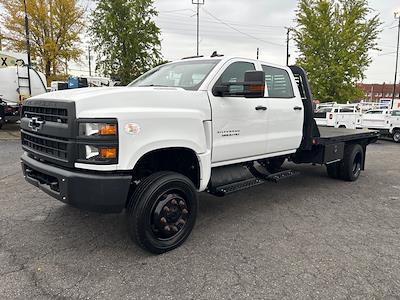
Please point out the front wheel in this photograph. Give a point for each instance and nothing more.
(396, 136)
(162, 211)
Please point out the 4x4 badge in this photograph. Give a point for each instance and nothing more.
(35, 124)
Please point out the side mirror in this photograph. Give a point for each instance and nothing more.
(221, 90)
(252, 87)
(254, 84)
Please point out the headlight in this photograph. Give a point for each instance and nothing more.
(97, 129)
(100, 152)
(97, 141)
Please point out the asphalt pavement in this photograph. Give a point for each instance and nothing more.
(305, 237)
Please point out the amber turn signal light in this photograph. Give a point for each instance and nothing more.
(108, 129)
(108, 153)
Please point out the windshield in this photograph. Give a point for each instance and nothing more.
(186, 74)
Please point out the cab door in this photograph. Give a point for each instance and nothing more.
(285, 111)
(239, 123)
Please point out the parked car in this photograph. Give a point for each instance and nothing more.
(385, 120)
(339, 116)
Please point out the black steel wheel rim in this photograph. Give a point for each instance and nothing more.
(170, 215)
(357, 165)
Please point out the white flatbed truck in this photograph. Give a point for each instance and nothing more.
(215, 124)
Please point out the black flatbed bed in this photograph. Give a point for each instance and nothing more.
(331, 135)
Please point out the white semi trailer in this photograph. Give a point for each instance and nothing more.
(15, 87)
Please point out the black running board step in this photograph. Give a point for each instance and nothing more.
(237, 186)
(23, 77)
(276, 177)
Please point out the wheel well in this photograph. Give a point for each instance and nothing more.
(180, 160)
(342, 126)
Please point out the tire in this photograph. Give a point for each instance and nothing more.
(162, 211)
(396, 136)
(351, 165)
(333, 170)
(273, 165)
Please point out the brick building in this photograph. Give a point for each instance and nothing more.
(374, 92)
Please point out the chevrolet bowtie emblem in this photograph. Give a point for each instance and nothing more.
(35, 124)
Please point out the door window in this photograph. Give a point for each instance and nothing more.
(235, 73)
(374, 112)
(278, 83)
(396, 113)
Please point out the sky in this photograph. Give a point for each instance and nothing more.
(239, 27)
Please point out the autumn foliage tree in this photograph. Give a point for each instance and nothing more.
(125, 38)
(55, 27)
(334, 38)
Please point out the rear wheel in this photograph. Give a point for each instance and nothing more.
(162, 211)
(396, 135)
(351, 165)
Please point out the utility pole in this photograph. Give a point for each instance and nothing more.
(28, 48)
(287, 46)
(90, 66)
(198, 3)
(396, 16)
(258, 52)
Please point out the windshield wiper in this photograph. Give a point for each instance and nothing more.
(155, 85)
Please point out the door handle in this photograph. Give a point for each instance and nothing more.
(260, 107)
(297, 108)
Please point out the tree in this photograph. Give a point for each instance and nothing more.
(54, 27)
(334, 39)
(125, 38)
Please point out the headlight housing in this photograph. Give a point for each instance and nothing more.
(97, 129)
(97, 141)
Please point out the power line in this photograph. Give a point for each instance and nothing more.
(175, 10)
(233, 22)
(241, 32)
(211, 32)
(387, 53)
(209, 21)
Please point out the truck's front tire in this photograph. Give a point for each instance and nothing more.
(351, 165)
(396, 136)
(162, 211)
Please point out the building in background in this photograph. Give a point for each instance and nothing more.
(375, 92)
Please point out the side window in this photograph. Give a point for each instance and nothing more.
(374, 112)
(235, 72)
(396, 113)
(278, 83)
(346, 110)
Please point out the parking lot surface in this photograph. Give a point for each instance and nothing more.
(306, 237)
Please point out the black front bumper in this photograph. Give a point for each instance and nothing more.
(85, 190)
